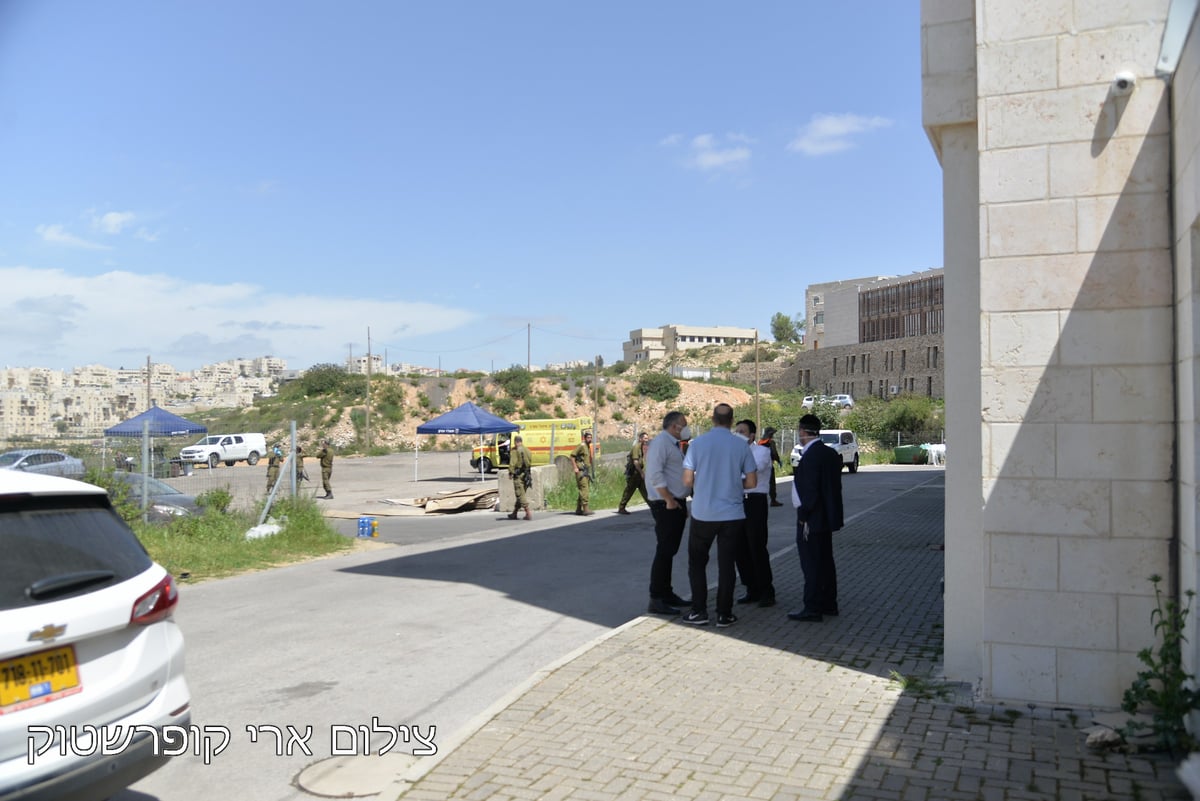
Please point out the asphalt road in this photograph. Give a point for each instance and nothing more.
(426, 628)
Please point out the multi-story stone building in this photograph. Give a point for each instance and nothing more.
(1067, 135)
(880, 336)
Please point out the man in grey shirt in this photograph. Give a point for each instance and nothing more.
(668, 505)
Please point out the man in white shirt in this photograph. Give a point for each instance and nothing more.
(753, 561)
(668, 506)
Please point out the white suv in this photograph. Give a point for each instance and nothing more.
(91, 661)
(842, 401)
(841, 440)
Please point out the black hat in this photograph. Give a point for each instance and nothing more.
(768, 433)
(810, 423)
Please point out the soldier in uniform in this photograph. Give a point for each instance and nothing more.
(520, 463)
(768, 441)
(273, 468)
(635, 472)
(326, 457)
(582, 462)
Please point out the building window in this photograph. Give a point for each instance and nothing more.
(816, 300)
(819, 318)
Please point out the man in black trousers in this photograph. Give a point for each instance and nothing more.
(817, 496)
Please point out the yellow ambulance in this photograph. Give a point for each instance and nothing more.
(547, 441)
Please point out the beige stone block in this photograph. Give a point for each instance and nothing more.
(1091, 14)
(1047, 117)
(1133, 451)
(1047, 506)
(1123, 222)
(1024, 66)
(1088, 678)
(1135, 628)
(1023, 339)
(1125, 165)
(1022, 450)
(1023, 673)
(1002, 22)
(1116, 564)
(1013, 175)
(934, 12)
(1021, 562)
(1132, 393)
(1076, 281)
(1036, 228)
(1117, 336)
(1036, 395)
(1096, 56)
(948, 100)
(949, 48)
(1052, 619)
(1142, 509)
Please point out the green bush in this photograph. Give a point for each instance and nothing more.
(515, 381)
(217, 499)
(659, 386)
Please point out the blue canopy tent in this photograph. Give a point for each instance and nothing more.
(466, 419)
(154, 422)
(162, 424)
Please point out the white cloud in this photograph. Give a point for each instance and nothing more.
(58, 235)
(113, 222)
(671, 141)
(51, 318)
(709, 153)
(831, 133)
(146, 235)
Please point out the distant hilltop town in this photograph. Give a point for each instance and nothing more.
(40, 402)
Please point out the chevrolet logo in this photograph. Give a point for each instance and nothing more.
(47, 633)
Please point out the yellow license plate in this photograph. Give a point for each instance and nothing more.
(37, 678)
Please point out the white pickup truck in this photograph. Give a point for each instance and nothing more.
(227, 448)
(841, 440)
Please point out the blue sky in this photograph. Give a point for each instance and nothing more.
(198, 181)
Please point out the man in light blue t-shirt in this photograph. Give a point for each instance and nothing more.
(719, 468)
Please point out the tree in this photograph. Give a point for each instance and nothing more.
(783, 329)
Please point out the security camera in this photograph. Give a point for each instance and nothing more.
(1124, 83)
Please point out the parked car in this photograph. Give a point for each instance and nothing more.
(87, 639)
(841, 440)
(842, 401)
(227, 448)
(50, 463)
(165, 501)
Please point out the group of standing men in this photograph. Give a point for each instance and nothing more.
(729, 476)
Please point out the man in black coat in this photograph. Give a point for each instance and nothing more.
(817, 496)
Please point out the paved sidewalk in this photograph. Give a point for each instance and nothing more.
(771, 709)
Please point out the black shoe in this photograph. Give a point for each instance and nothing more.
(696, 618)
(624, 511)
(748, 599)
(805, 616)
(776, 503)
(328, 496)
(724, 621)
(831, 612)
(661, 607)
(765, 602)
(675, 600)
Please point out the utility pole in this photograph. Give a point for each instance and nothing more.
(528, 348)
(367, 427)
(757, 401)
(596, 399)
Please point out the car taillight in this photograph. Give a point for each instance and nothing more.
(156, 604)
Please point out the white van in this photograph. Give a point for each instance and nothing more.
(227, 448)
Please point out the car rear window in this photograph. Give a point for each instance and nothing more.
(63, 546)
